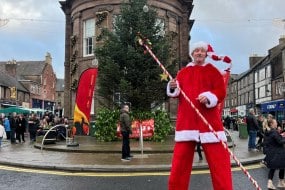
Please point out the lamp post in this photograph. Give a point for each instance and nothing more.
(44, 97)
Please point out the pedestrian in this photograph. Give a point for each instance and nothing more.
(13, 126)
(33, 124)
(7, 127)
(227, 122)
(199, 151)
(252, 129)
(260, 132)
(126, 130)
(196, 81)
(2, 133)
(274, 153)
(21, 129)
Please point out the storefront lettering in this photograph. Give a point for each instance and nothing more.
(272, 106)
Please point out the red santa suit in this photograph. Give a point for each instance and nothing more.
(197, 80)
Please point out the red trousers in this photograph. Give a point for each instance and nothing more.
(218, 160)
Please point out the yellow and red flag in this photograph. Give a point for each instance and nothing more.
(85, 90)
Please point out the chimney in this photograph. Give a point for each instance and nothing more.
(48, 58)
(253, 59)
(282, 39)
(11, 68)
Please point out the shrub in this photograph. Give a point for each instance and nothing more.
(106, 124)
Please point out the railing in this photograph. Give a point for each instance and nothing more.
(45, 135)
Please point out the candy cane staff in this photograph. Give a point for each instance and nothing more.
(214, 133)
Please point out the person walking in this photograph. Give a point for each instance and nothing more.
(196, 81)
(252, 129)
(274, 153)
(126, 130)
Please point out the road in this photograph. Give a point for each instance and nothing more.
(14, 178)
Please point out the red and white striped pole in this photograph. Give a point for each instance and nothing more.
(141, 41)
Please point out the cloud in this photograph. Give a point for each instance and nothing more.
(34, 28)
(238, 28)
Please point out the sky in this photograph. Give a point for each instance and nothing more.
(237, 28)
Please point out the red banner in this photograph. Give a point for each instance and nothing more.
(147, 129)
(83, 100)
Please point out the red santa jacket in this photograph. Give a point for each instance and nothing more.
(195, 80)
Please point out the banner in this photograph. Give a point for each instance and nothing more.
(147, 129)
(85, 90)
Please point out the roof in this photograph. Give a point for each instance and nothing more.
(9, 81)
(24, 68)
(27, 68)
(33, 68)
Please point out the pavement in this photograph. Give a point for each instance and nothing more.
(94, 156)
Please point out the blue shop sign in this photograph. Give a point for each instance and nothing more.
(273, 106)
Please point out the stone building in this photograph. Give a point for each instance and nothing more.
(82, 19)
(34, 82)
(262, 86)
(12, 92)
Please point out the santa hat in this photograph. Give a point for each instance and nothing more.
(210, 52)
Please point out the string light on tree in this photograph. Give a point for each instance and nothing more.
(145, 8)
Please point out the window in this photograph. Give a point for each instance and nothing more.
(33, 89)
(278, 88)
(160, 24)
(262, 92)
(268, 70)
(261, 74)
(257, 93)
(256, 77)
(88, 37)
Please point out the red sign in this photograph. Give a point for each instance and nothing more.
(146, 125)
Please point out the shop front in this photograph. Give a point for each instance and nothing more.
(276, 108)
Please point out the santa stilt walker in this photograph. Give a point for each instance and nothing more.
(204, 85)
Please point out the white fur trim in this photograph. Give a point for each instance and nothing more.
(212, 99)
(187, 135)
(196, 45)
(195, 135)
(209, 137)
(176, 90)
(193, 64)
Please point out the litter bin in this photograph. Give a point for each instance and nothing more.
(92, 128)
(242, 128)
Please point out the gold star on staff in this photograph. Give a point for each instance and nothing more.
(164, 76)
